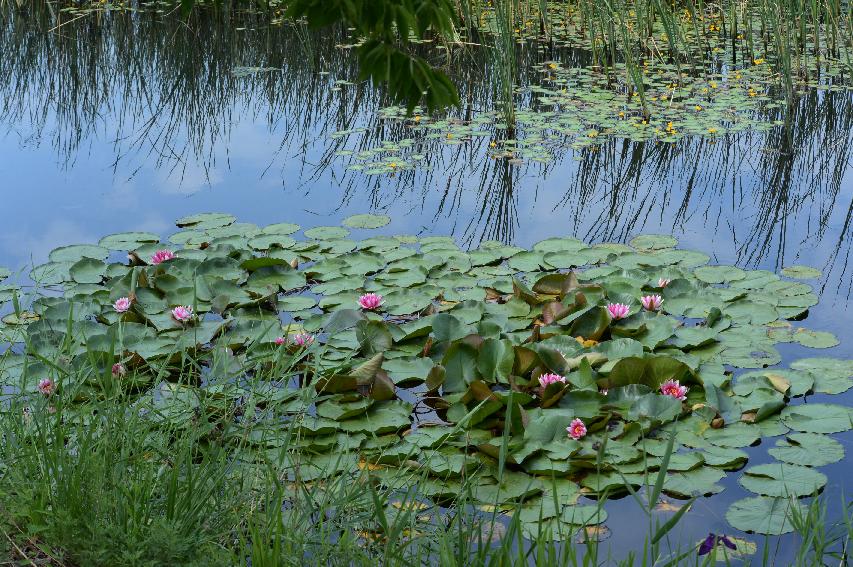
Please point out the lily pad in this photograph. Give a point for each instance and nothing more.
(653, 242)
(801, 272)
(77, 251)
(366, 221)
(808, 449)
(204, 221)
(326, 232)
(782, 479)
(763, 515)
(128, 240)
(818, 418)
(719, 274)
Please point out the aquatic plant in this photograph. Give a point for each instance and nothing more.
(121, 304)
(673, 389)
(161, 256)
(576, 429)
(476, 330)
(370, 301)
(618, 310)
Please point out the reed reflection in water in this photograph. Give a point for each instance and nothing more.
(145, 92)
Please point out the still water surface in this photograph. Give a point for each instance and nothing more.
(123, 123)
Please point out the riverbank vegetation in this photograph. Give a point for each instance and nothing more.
(240, 392)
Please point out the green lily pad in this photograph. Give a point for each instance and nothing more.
(77, 251)
(831, 375)
(801, 272)
(653, 242)
(284, 228)
(762, 515)
(818, 418)
(326, 232)
(719, 274)
(808, 449)
(204, 221)
(128, 240)
(782, 479)
(366, 221)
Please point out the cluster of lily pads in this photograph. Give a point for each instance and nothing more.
(539, 375)
(581, 107)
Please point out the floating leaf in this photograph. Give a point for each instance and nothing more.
(831, 375)
(653, 242)
(719, 274)
(818, 418)
(327, 232)
(204, 221)
(781, 479)
(801, 272)
(366, 221)
(808, 449)
(77, 251)
(762, 515)
(128, 240)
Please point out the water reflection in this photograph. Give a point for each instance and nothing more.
(168, 106)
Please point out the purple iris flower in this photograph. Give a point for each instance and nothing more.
(712, 540)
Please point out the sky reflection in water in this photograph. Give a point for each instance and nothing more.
(159, 131)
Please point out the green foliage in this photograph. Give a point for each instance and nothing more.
(220, 388)
(385, 28)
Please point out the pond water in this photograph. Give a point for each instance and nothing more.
(118, 123)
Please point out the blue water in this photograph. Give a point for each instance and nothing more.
(115, 171)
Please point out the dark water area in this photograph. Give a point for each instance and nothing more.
(119, 122)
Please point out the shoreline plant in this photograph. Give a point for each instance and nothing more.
(262, 372)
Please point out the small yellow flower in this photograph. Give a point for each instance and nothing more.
(393, 164)
(621, 114)
(758, 61)
(492, 144)
(449, 136)
(592, 134)
(712, 130)
(704, 89)
(712, 84)
(417, 118)
(552, 66)
(698, 107)
(752, 92)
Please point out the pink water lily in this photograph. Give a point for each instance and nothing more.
(182, 313)
(576, 429)
(651, 302)
(663, 282)
(617, 310)
(46, 386)
(370, 301)
(547, 379)
(122, 304)
(280, 341)
(303, 339)
(119, 369)
(674, 389)
(161, 256)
